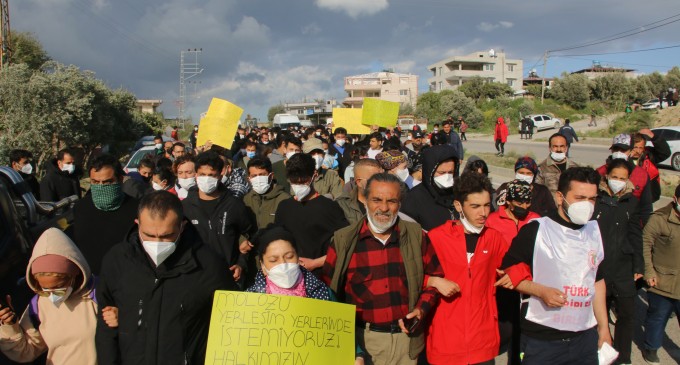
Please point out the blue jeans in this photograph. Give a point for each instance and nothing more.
(659, 311)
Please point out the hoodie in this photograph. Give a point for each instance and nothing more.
(57, 184)
(426, 203)
(66, 332)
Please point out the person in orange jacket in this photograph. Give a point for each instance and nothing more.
(500, 135)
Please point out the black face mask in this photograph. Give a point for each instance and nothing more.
(147, 178)
(519, 212)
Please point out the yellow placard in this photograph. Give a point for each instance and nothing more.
(380, 112)
(349, 119)
(264, 329)
(220, 123)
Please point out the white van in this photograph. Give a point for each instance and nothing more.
(286, 120)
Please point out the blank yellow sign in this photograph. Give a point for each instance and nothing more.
(253, 328)
(380, 112)
(349, 119)
(220, 123)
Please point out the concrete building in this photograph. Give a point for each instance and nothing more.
(148, 106)
(454, 71)
(384, 85)
(598, 70)
(316, 111)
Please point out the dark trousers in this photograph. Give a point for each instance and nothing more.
(462, 136)
(581, 349)
(624, 327)
(658, 313)
(500, 146)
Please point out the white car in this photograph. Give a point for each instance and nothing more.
(672, 136)
(542, 121)
(653, 104)
(132, 164)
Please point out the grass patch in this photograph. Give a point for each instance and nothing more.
(629, 123)
(507, 161)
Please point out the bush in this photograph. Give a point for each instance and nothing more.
(572, 89)
(456, 104)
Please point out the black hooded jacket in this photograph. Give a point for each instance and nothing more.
(163, 312)
(57, 184)
(426, 203)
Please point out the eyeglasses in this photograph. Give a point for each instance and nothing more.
(58, 292)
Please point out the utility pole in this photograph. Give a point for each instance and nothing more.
(545, 63)
(5, 40)
(188, 68)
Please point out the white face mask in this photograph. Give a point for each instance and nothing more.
(579, 212)
(284, 276)
(289, 155)
(207, 184)
(558, 156)
(435, 130)
(317, 133)
(410, 137)
(67, 167)
(27, 169)
(260, 184)
(158, 146)
(156, 186)
(402, 174)
(444, 181)
(58, 299)
(159, 251)
(340, 142)
(224, 179)
(526, 178)
(618, 154)
(616, 185)
(379, 227)
(318, 161)
(469, 226)
(301, 190)
(187, 183)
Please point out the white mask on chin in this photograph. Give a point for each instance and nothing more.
(469, 226)
(558, 156)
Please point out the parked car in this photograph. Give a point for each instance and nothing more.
(653, 104)
(672, 136)
(148, 141)
(133, 162)
(542, 121)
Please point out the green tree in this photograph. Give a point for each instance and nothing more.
(406, 109)
(427, 106)
(276, 109)
(672, 78)
(613, 89)
(572, 89)
(480, 89)
(26, 48)
(456, 104)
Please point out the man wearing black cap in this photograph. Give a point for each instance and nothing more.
(414, 141)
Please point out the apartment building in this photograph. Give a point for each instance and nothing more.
(385, 85)
(493, 66)
(598, 70)
(309, 110)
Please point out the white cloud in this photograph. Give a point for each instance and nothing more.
(354, 8)
(489, 27)
(251, 31)
(311, 29)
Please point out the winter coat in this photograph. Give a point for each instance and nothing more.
(349, 203)
(569, 134)
(344, 159)
(621, 230)
(651, 157)
(220, 230)
(452, 139)
(32, 183)
(65, 332)
(163, 312)
(427, 204)
(641, 189)
(57, 184)
(501, 132)
(549, 174)
(263, 207)
(328, 183)
(500, 221)
(95, 231)
(661, 251)
(464, 328)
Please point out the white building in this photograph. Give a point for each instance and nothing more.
(390, 86)
(492, 66)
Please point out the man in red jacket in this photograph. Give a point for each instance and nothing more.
(500, 135)
(464, 328)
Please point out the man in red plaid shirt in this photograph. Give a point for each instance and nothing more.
(379, 265)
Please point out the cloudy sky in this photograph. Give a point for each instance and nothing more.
(257, 53)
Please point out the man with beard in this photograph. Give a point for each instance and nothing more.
(379, 264)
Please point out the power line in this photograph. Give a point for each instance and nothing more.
(620, 35)
(621, 52)
(616, 62)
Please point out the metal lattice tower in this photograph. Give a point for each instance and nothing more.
(5, 42)
(188, 68)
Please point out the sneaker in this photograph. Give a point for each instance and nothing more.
(650, 356)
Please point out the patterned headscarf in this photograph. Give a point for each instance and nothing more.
(518, 191)
(527, 163)
(390, 159)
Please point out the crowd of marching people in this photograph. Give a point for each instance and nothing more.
(442, 267)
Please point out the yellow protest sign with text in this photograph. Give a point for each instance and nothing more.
(380, 112)
(266, 329)
(350, 119)
(220, 123)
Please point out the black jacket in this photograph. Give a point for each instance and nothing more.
(426, 203)
(569, 133)
(57, 184)
(344, 159)
(95, 231)
(32, 184)
(621, 229)
(163, 313)
(220, 230)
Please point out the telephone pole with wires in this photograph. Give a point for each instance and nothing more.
(188, 68)
(5, 39)
(545, 64)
